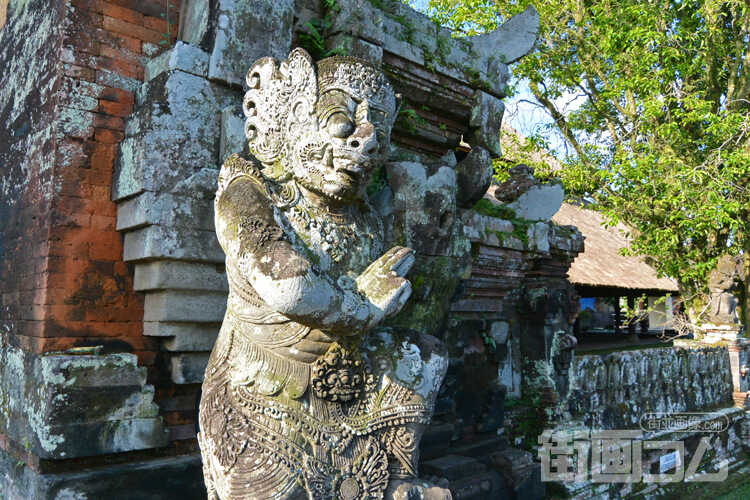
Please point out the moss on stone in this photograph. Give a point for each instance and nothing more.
(486, 207)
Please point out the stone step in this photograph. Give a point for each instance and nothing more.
(440, 433)
(482, 450)
(452, 467)
(432, 451)
(483, 486)
(521, 475)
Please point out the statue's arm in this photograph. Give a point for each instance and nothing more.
(285, 279)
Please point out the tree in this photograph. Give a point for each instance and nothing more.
(662, 139)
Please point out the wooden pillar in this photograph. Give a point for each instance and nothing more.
(618, 316)
(632, 323)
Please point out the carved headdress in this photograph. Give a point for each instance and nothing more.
(280, 104)
(360, 80)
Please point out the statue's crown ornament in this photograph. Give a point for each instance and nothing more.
(360, 80)
(281, 98)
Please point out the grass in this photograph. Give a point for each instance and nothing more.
(741, 493)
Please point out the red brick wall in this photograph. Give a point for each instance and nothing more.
(87, 292)
(89, 295)
(63, 282)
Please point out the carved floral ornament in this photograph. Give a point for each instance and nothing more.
(305, 394)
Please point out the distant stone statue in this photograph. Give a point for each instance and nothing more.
(724, 283)
(305, 396)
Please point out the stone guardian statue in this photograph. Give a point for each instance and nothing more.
(305, 396)
(726, 284)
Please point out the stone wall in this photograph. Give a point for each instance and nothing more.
(612, 391)
(725, 450)
(68, 75)
(518, 275)
(63, 406)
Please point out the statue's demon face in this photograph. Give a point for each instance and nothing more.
(339, 158)
(327, 125)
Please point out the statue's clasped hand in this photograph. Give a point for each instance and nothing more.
(384, 285)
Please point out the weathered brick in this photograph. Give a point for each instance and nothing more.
(86, 41)
(119, 41)
(72, 187)
(117, 95)
(122, 269)
(84, 88)
(157, 24)
(77, 101)
(98, 205)
(154, 8)
(122, 13)
(77, 123)
(79, 72)
(74, 56)
(103, 194)
(68, 219)
(71, 152)
(56, 312)
(127, 313)
(116, 109)
(62, 296)
(67, 264)
(61, 248)
(109, 136)
(103, 159)
(103, 222)
(119, 26)
(83, 18)
(98, 177)
(123, 54)
(112, 79)
(119, 66)
(64, 281)
(70, 204)
(105, 252)
(109, 122)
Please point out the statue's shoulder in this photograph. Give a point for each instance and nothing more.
(236, 167)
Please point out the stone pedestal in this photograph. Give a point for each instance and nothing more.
(737, 345)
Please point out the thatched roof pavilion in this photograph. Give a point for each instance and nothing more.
(600, 270)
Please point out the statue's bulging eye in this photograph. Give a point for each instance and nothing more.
(378, 117)
(340, 125)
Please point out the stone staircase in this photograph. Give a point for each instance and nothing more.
(486, 469)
